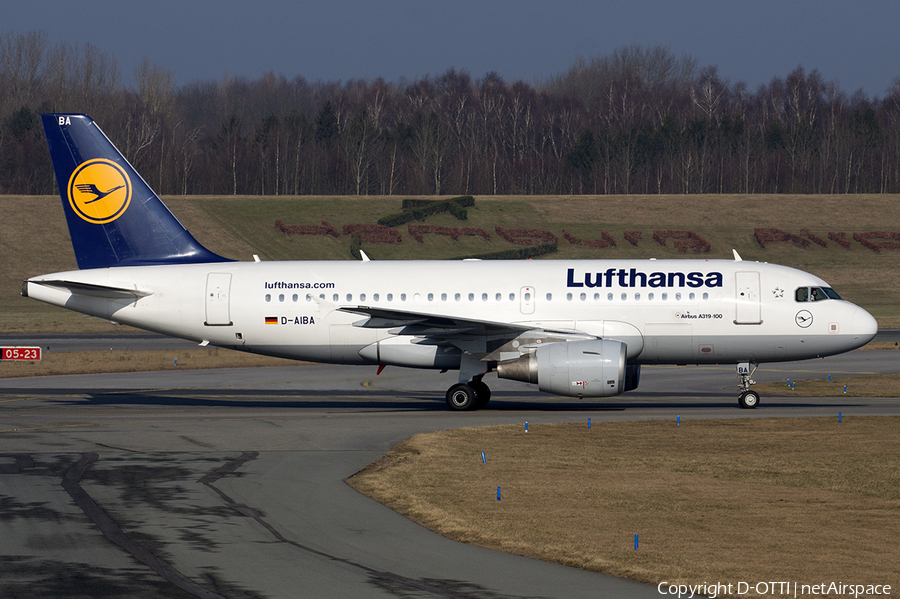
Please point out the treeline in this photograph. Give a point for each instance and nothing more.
(638, 121)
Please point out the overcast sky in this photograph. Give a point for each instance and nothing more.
(856, 44)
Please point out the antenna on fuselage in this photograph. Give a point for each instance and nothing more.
(737, 257)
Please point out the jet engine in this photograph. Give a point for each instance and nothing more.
(590, 368)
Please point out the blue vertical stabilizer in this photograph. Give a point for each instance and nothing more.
(114, 218)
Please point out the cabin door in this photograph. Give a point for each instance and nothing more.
(218, 304)
(746, 301)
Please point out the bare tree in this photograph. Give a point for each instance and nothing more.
(22, 65)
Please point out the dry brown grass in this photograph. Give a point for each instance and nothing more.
(738, 212)
(876, 345)
(783, 499)
(879, 385)
(137, 361)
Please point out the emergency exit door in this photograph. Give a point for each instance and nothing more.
(526, 300)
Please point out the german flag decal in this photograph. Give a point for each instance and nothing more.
(271, 320)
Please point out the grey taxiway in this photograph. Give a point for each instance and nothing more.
(230, 483)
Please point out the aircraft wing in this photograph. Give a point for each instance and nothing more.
(415, 323)
(482, 338)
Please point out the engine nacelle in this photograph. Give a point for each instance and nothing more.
(591, 368)
(412, 353)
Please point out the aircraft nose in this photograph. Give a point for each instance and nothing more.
(864, 326)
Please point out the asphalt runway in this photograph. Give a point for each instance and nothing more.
(229, 483)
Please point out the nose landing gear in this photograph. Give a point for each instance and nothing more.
(747, 399)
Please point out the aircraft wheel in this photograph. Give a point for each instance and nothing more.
(482, 393)
(748, 400)
(461, 397)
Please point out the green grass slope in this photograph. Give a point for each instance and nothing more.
(34, 239)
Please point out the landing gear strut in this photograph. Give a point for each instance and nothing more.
(473, 395)
(470, 393)
(747, 399)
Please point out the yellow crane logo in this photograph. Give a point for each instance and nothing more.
(99, 191)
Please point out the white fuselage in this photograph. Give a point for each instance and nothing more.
(666, 311)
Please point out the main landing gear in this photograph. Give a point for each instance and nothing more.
(473, 395)
(747, 399)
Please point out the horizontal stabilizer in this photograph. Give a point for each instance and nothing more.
(89, 289)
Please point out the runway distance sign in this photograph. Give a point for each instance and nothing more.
(20, 353)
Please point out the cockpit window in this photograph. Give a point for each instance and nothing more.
(815, 294)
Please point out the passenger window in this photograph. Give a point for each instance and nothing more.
(609, 297)
(402, 297)
(430, 297)
(499, 297)
(471, 297)
(569, 297)
(268, 297)
(456, 297)
(362, 297)
(583, 296)
(549, 297)
(484, 297)
(281, 298)
(390, 297)
(650, 296)
(596, 297)
(375, 298)
(512, 297)
(295, 298)
(349, 297)
(443, 297)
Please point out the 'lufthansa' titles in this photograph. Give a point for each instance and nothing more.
(620, 277)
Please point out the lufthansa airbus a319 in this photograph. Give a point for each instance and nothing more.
(573, 328)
